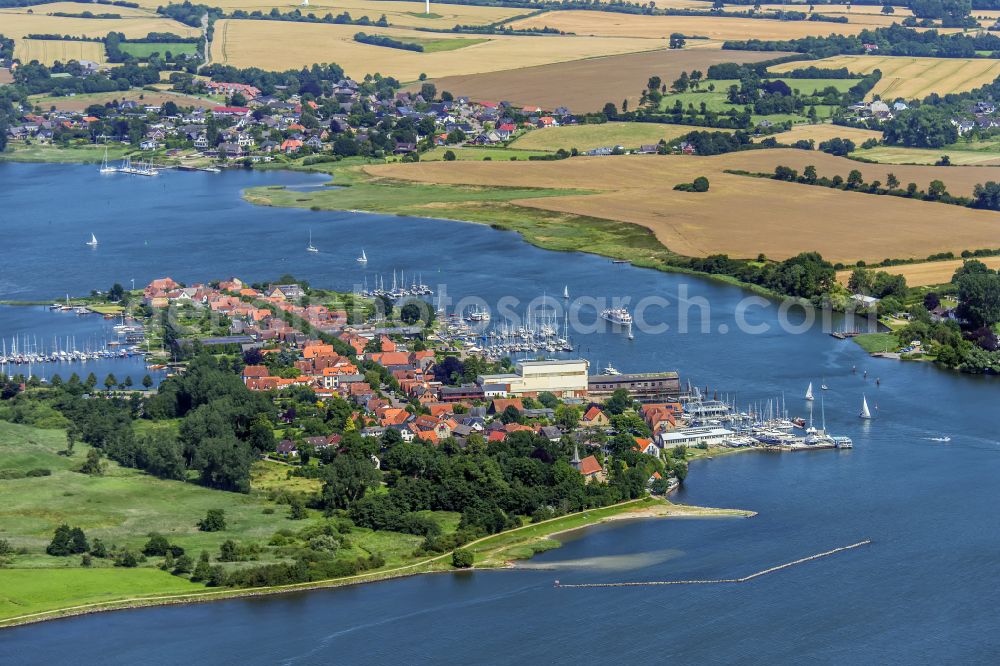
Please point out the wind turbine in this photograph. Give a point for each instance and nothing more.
(427, 6)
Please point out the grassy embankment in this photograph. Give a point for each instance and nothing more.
(20, 152)
(124, 506)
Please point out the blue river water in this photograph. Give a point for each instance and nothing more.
(925, 591)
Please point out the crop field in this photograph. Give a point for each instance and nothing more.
(48, 51)
(913, 78)
(737, 216)
(79, 8)
(251, 43)
(398, 12)
(585, 85)
(957, 154)
(609, 24)
(717, 98)
(825, 132)
(925, 273)
(81, 102)
(585, 137)
(144, 50)
(478, 153)
(17, 24)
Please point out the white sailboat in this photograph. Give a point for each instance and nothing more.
(865, 412)
(105, 167)
(363, 259)
(809, 392)
(566, 291)
(93, 241)
(311, 247)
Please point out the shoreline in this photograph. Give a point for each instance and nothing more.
(637, 509)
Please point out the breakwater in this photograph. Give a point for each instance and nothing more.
(718, 581)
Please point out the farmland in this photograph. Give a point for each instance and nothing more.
(912, 77)
(48, 51)
(80, 7)
(144, 50)
(398, 12)
(926, 273)
(825, 132)
(585, 85)
(717, 99)
(585, 137)
(605, 24)
(81, 102)
(959, 154)
(777, 219)
(248, 44)
(17, 24)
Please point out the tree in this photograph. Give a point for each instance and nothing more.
(347, 479)
(428, 91)
(183, 565)
(618, 402)
(936, 190)
(677, 41)
(888, 9)
(67, 541)
(214, 521)
(156, 546)
(297, 509)
(987, 196)
(449, 156)
(610, 110)
(93, 465)
(979, 299)
(860, 282)
(855, 179)
(202, 569)
(700, 184)
(568, 416)
(147, 382)
(809, 174)
(110, 382)
(98, 549)
(653, 83)
(891, 181)
(462, 558)
(681, 83)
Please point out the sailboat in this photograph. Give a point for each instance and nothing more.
(566, 291)
(809, 392)
(311, 247)
(93, 241)
(105, 167)
(865, 412)
(363, 259)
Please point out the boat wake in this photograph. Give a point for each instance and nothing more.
(938, 439)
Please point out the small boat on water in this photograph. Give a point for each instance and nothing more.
(105, 167)
(363, 259)
(311, 247)
(865, 412)
(566, 291)
(93, 241)
(611, 370)
(809, 392)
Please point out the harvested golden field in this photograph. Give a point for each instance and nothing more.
(252, 43)
(610, 24)
(80, 7)
(585, 137)
(925, 273)
(739, 215)
(17, 24)
(825, 132)
(903, 155)
(398, 12)
(48, 51)
(585, 85)
(911, 77)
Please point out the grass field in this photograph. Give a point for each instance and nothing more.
(144, 50)
(250, 43)
(607, 24)
(585, 85)
(17, 24)
(958, 154)
(585, 137)
(81, 102)
(717, 99)
(910, 77)
(824, 132)
(874, 343)
(19, 152)
(775, 218)
(47, 51)
(927, 273)
(478, 154)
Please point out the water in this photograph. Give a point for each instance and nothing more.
(925, 591)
